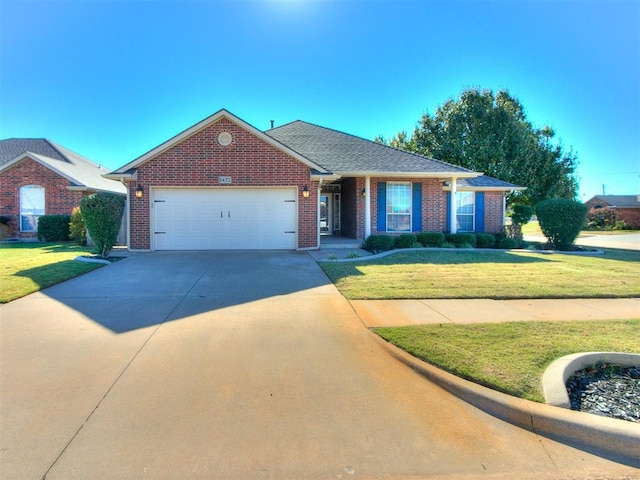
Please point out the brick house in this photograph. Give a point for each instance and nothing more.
(223, 184)
(39, 177)
(627, 207)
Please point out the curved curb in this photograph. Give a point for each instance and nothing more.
(437, 249)
(556, 375)
(92, 260)
(614, 439)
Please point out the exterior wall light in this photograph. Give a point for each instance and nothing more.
(139, 191)
(305, 192)
(364, 192)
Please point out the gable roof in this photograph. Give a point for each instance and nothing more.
(82, 173)
(346, 154)
(621, 201)
(129, 169)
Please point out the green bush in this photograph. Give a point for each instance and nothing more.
(561, 220)
(53, 228)
(431, 239)
(102, 213)
(601, 219)
(485, 240)
(406, 240)
(508, 243)
(378, 243)
(461, 240)
(77, 228)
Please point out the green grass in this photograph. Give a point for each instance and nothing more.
(533, 228)
(496, 275)
(28, 267)
(511, 357)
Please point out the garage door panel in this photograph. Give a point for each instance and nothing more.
(216, 219)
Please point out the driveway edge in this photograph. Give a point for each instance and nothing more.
(610, 438)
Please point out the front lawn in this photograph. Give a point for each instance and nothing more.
(496, 275)
(28, 267)
(511, 357)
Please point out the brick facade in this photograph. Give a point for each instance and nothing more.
(59, 200)
(493, 212)
(199, 160)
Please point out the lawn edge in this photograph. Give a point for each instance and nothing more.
(606, 437)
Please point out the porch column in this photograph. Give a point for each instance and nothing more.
(367, 206)
(452, 211)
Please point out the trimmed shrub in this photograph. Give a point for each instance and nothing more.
(561, 220)
(520, 215)
(485, 240)
(508, 243)
(461, 240)
(77, 228)
(102, 213)
(431, 239)
(406, 240)
(378, 243)
(53, 228)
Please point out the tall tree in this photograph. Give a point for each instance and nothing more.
(491, 134)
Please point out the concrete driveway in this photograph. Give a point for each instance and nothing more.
(234, 365)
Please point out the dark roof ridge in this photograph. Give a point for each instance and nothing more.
(376, 143)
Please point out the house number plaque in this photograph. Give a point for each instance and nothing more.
(224, 180)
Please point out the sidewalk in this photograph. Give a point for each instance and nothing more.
(393, 313)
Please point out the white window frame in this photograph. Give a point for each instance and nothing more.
(389, 206)
(28, 208)
(460, 203)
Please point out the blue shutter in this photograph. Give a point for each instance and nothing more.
(448, 225)
(479, 211)
(382, 207)
(416, 208)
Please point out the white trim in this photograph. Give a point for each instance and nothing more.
(453, 220)
(204, 124)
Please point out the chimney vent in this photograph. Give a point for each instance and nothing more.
(271, 123)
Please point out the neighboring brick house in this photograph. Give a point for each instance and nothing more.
(627, 207)
(39, 177)
(223, 184)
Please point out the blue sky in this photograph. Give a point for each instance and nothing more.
(113, 79)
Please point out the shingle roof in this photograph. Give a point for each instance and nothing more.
(340, 152)
(623, 201)
(485, 181)
(80, 171)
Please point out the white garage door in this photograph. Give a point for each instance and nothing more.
(224, 219)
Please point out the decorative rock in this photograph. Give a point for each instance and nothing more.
(607, 390)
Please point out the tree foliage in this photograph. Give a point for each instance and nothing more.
(102, 213)
(490, 133)
(561, 220)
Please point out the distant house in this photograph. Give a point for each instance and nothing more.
(39, 177)
(627, 207)
(224, 184)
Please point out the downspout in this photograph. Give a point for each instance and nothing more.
(367, 207)
(452, 211)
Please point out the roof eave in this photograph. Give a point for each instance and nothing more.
(396, 174)
(465, 188)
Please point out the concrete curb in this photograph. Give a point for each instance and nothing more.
(92, 260)
(436, 249)
(614, 439)
(556, 375)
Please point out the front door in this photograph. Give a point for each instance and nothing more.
(325, 214)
